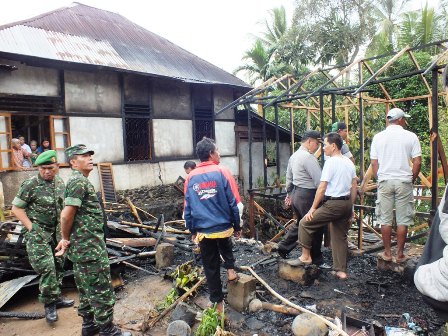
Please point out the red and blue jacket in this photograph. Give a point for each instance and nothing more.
(211, 198)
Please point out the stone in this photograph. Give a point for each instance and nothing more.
(391, 266)
(235, 319)
(254, 324)
(184, 312)
(164, 255)
(303, 275)
(241, 292)
(308, 325)
(178, 328)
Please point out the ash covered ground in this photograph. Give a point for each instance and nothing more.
(369, 294)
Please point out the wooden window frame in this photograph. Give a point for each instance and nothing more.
(65, 133)
(8, 134)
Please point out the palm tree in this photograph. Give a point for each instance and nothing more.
(421, 27)
(387, 13)
(261, 62)
(258, 60)
(276, 27)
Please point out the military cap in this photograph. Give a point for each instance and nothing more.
(312, 134)
(79, 149)
(46, 158)
(338, 125)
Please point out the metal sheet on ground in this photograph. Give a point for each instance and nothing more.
(9, 288)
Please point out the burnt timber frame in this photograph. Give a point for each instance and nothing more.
(294, 94)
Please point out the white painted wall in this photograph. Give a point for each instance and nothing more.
(225, 137)
(103, 135)
(172, 137)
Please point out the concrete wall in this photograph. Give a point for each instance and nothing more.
(28, 80)
(172, 137)
(171, 99)
(103, 135)
(257, 163)
(92, 92)
(223, 96)
(127, 176)
(225, 137)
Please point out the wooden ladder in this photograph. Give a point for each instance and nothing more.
(107, 183)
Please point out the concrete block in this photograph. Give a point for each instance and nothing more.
(303, 275)
(308, 325)
(241, 292)
(185, 313)
(164, 255)
(390, 266)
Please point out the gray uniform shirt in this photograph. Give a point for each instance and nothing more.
(303, 170)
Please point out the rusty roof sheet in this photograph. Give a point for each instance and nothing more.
(84, 34)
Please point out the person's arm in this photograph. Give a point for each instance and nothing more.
(312, 167)
(22, 217)
(354, 190)
(416, 166)
(67, 218)
(320, 193)
(375, 166)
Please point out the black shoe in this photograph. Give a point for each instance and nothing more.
(282, 254)
(63, 302)
(50, 312)
(110, 329)
(89, 328)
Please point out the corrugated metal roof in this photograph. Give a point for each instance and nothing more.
(88, 35)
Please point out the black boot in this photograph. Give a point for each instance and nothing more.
(109, 329)
(63, 302)
(89, 328)
(50, 312)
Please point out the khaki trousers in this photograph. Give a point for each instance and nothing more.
(337, 213)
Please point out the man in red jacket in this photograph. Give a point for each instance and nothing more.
(212, 216)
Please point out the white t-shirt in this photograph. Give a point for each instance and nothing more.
(339, 172)
(394, 148)
(26, 147)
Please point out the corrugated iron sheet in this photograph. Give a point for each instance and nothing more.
(88, 35)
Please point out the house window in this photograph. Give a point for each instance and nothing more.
(32, 127)
(137, 132)
(203, 112)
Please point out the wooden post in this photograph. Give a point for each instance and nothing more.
(251, 215)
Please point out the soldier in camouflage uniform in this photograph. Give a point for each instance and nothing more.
(38, 205)
(83, 237)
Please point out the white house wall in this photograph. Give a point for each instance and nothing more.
(28, 80)
(257, 163)
(172, 137)
(103, 135)
(225, 137)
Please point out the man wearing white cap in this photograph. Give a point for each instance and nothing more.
(390, 153)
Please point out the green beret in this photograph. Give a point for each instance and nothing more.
(46, 158)
(77, 150)
(338, 125)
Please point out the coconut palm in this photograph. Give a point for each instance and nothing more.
(387, 13)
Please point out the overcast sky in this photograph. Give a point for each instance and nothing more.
(215, 30)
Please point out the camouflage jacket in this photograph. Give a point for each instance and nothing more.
(42, 201)
(87, 236)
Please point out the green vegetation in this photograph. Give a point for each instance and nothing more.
(210, 320)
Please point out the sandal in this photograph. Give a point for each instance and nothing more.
(298, 262)
(382, 256)
(234, 280)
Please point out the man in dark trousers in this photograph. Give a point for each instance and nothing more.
(212, 216)
(302, 179)
(337, 190)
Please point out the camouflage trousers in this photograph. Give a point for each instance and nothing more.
(96, 295)
(40, 246)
